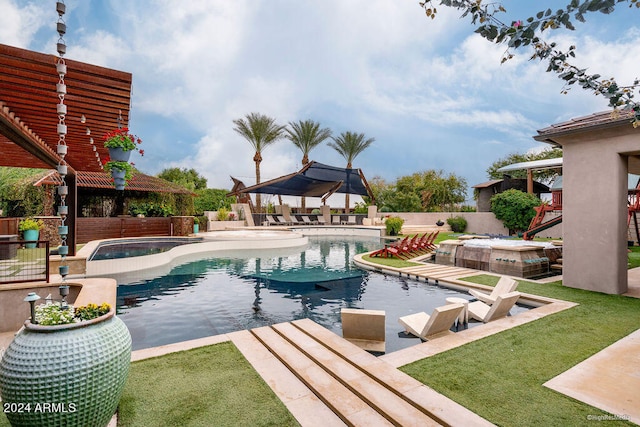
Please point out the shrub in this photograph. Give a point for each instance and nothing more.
(203, 221)
(30, 224)
(515, 209)
(150, 209)
(458, 224)
(223, 214)
(394, 225)
(361, 208)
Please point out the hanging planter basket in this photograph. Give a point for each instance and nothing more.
(79, 367)
(119, 155)
(119, 177)
(118, 174)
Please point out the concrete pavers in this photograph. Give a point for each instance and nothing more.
(608, 380)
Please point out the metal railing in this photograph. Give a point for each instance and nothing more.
(24, 261)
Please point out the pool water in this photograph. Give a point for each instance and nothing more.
(135, 248)
(229, 293)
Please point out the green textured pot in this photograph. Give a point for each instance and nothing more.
(71, 375)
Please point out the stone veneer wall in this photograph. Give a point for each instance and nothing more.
(182, 225)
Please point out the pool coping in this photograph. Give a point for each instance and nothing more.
(214, 241)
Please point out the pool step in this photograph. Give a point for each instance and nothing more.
(360, 388)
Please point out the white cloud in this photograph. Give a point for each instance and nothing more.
(432, 93)
(18, 25)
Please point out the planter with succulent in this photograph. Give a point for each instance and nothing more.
(30, 229)
(77, 359)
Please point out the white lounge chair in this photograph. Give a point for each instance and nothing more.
(504, 286)
(321, 220)
(335, 220)
(282, 221)
(351, 220)
(270, 220)
(294, 220)
(424, 326)
(500, 308)
(364, 328)
(307, 220)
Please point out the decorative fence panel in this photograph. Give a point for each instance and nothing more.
(9, 226)
(24, 261)
(88, 229)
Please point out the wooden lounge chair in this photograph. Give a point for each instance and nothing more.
(398, 249)
(428, 243)
(504, 286)
(424, 326)
(499, 309)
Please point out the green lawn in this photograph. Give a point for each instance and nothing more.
(208, 386)
(500, 377)
(634, 257)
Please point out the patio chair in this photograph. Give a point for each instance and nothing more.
(282, 221)
(351, 220)
(397, 249)
(427, 243)
(270, 220)
(364, 328)
(499, 309)
(306, 220)
(320, 220)
(504, 286)
(335, 220)
(426, 327)
(293, 220)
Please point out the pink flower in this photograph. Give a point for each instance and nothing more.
(517, 24)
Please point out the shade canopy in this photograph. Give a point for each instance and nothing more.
(313, 180)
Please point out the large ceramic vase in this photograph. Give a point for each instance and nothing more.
(31, 236)
(66, 375)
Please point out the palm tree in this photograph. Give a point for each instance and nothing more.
(306, 135)
(261, 131)
(349, 145)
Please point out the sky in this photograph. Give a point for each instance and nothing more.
(433, 94)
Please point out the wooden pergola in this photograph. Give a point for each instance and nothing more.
(96, 98)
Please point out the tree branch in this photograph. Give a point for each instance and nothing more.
(519, 33)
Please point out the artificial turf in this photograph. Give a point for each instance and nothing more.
(213, 385)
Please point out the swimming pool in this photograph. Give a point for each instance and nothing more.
(247, 289)
(129, 248)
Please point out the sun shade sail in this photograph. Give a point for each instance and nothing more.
(313, 180)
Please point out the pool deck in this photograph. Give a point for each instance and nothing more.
(314, 405)
(346, 383)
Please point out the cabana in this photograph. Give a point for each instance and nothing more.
(313, 180)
